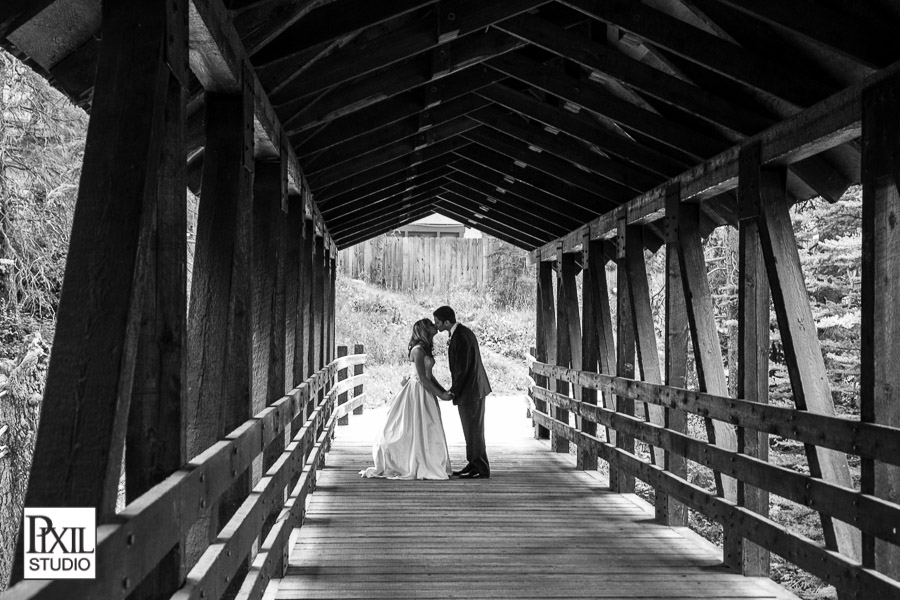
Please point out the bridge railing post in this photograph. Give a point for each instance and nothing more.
(341, 376)
(358, 370)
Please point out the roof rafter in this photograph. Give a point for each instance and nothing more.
(710, 51)
(357, 60)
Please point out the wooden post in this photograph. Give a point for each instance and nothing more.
(80, 443)
(293, 286)
(645, 338)
(753, 340)
(563, 341)
(707, 351)
(802, 352)
(332, 303)
(318, 312)
(341, 376)
(358, 370)
(598, 257)
(545, 342)
(303, 357)
(267, 298)
(155, 444)
(880, 294)
(619, 481)
(219, 326)
(676, 349)
(266, 206)
(587, 460)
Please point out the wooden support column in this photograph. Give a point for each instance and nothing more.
(802, 352)
(318, 304)
(155, 443)
(566, 298)
(707, 351)
(293, 332)
(596, 286)
(219, 321)
(545, 332)
(676, 350)
(267, 298)
(880, 402)
(645, 338)
(587, 460)
(332, 282)
(303, 356)
(620, 481)
(267, 234)
(753, 339)
(84, 417)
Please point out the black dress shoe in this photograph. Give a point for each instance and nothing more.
(457, 473)
(473, 475)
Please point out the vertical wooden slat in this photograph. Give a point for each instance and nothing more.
(802, 352)
(545, 342)
(753, 340)
(676, 348)
(589, 352)
(880, 376)
(358, 370)
(563, 344)
(619, 481)
(341, 376)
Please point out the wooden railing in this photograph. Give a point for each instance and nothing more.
(150, 526)
(872, 515)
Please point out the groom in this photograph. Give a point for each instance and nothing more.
(468, 389)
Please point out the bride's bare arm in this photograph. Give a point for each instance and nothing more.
(424, 372)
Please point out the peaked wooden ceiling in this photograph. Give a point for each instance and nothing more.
(522, 118)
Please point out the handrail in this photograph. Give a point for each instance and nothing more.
(853, 437)
(151, 525)
(870, 514)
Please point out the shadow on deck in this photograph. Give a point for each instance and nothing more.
(538, 528)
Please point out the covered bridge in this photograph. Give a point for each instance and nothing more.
(584, 131)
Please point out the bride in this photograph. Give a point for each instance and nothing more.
(412, 444)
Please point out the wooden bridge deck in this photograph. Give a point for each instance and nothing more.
(537, 529)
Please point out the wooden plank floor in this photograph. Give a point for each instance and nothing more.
(537, 529)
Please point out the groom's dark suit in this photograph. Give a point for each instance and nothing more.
(469, 387)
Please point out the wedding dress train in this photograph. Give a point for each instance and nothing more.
(412, 444)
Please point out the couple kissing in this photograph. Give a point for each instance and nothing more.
(412, 444)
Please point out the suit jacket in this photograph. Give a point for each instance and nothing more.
(469, 380)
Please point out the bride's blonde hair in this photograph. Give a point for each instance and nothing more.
(420, 336)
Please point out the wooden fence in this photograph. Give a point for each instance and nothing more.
(420, 263)
(299, 427)
(874, 516)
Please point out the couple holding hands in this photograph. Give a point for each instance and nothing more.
(412, 444)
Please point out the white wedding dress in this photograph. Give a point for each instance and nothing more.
(412, 444)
